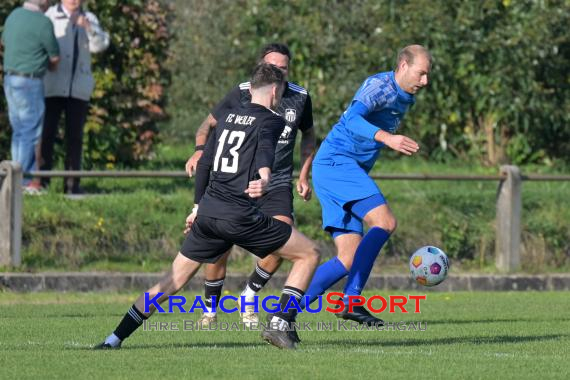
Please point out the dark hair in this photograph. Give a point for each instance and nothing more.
(274, 48)
(265, 74)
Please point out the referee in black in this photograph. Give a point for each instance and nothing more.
(233, 173)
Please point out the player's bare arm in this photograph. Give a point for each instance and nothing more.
(203, 168)
(308, 145)
(399, 143)
(201, 137)
(190, 219)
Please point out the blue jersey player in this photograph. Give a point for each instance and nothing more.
(347, 194)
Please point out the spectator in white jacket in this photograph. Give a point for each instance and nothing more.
(69, 88)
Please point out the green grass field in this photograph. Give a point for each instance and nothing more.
(510, 335)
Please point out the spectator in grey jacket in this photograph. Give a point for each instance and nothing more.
(30, 48)
(69, 88)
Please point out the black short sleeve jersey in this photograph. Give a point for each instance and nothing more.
(243, 142)
(297, 110)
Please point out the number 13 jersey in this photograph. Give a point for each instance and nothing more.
(243, 142)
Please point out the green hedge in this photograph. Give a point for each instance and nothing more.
(131, 83)
(499, 87)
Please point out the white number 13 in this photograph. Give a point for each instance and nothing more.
(226, 166)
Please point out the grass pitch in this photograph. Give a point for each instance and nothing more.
(480, 335)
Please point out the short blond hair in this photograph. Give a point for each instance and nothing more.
(410, 52)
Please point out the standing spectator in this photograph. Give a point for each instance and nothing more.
(69, 88)
(30, 48)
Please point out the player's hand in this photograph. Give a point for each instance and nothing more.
(402, 144)
(190, 220)
(193, 162)
(304, 189)
(257, 188)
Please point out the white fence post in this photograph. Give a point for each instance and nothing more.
(10, 214)
(508, 229)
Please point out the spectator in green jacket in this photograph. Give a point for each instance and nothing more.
(30, 49)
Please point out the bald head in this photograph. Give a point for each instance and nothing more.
(413, 68)
(43, 5)
(37, 2)
(410, 53)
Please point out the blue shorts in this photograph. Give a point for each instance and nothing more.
(339, 187)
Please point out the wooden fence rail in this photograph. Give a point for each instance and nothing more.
(508, 204)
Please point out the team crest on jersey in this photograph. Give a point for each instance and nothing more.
(290, 114)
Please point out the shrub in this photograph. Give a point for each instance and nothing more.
(499, 85)
(130, 79)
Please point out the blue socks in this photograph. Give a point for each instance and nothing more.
(364, 258)
(329, 273)
(326, 275)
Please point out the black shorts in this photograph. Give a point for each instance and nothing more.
(210, 238)
(278, 201)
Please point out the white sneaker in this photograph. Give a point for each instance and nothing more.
(207, 319)
(250, 317)
(33, 190)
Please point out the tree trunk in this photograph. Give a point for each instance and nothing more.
(487, 123)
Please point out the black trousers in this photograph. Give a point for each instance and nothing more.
(75, 116)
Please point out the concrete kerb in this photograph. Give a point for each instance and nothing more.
(110, 282)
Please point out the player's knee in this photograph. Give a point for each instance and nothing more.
(388, 224)
(310, 255)
(346, 260)
(314, 254)
(392, 224)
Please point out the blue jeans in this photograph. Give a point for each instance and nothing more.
(25, 97)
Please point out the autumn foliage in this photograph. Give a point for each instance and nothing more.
(130, 76)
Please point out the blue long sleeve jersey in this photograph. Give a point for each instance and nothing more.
(379, 103)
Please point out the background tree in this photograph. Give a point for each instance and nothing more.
(499, 87)
(131, 82)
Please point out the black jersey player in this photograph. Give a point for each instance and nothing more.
(296, 108)
(233, 173)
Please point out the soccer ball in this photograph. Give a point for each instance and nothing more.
(429, 266)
